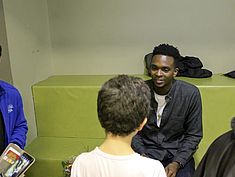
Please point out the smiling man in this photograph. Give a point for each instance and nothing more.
(174, 127)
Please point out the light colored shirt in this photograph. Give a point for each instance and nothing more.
(99, 164)
(161, 100)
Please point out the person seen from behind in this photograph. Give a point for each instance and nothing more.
(123, 105)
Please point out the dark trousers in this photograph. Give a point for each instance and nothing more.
(187, 171)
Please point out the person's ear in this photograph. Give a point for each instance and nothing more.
(176, 72)
(142, 124)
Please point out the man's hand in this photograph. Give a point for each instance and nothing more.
(172, 169)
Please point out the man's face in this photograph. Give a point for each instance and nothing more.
(163, 71)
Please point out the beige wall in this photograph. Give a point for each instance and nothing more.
(29, 49)
(100, 37)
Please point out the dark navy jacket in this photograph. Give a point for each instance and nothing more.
(13, 115)
(180, 130)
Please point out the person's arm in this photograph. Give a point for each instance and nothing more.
(193, 131)
(18, 135)
(138, 145)
(192, 136)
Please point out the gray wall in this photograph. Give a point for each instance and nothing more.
(5, 69)
(29, 49)
(50, 37)
(102, 37)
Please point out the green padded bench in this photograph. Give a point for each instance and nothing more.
(67, 123)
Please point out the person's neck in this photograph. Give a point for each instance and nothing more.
(117, 145)
(163, 90)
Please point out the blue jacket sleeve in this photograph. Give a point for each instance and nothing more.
(20, 129)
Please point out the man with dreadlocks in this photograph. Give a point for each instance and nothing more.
(174, 127)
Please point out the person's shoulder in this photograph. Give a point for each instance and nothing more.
(5, 84)
(83, 158)
(186, 86)
(149, 82)
(87, 155)
(9, 88)
(223, 140)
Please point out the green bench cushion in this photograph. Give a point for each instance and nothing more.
(65, 108)
(51, 151)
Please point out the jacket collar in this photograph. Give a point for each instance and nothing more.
(169, 95)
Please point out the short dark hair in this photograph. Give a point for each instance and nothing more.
(122, 104)
(168, 50)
